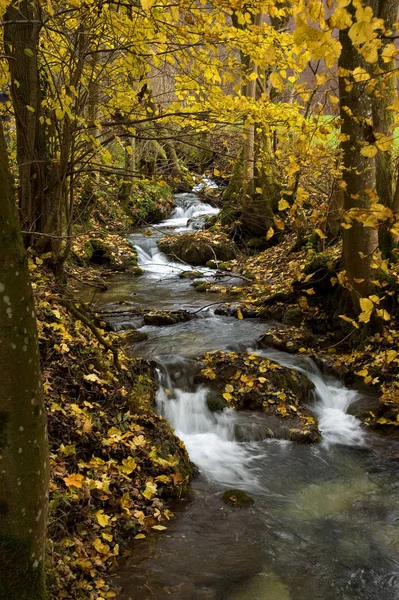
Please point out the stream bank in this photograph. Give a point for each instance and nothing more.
(324, 519)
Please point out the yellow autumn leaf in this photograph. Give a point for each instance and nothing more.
(389, 53)
(229, 388)
(383, 314)
(100, 546)
(367, 307)
(159, 527)
(227, 396)
(74, 480)
(391, 355)
(270, 233)
(91, 377)
(283, 204)
(320, 233)
(240, 316)
(102, 519)
(128, 465)
(147, 4)
(369, 151)
(349, 320)
(150, 490)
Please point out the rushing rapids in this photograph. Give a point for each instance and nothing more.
(324, 525)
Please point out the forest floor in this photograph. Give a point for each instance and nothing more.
(115, 463)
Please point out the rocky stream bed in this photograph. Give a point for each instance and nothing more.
(324, 522)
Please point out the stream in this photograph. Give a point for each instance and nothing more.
(325, 521)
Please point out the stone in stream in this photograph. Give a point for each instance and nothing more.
(171, 317)
(191, 274)
(237, 498)
(264, 586)
(251, 382)
(198, 248)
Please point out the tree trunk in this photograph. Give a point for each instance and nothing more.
(21, 40)
(23, 433)
(257, 210)
(383, 122)
(359, 242)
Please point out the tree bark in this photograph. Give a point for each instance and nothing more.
(383, 122)
(23, 433)
(359, 242)
(21, 41)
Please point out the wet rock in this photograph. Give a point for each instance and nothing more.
(198, 248)
(210, 221)
(288, 339)
(201, 286)
(258, 243)
(305, 435)
(212, 264)
(252, 382)
(134, 336)
(232, 310)
(363, 406)
(237, 498)
(216, 402)
(277, 313)
(191, 274)
(264, 586)
(293, 317)
(197, 223)
(167, 317)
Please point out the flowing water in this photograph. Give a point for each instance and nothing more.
(325, 522)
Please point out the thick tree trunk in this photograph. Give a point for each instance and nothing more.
(23, 436)
(359, 242)
(21, 40)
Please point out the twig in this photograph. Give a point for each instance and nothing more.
(82, 317)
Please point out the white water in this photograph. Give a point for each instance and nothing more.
(154, 262)
(332, 401)
(188, 207)
(209, 437)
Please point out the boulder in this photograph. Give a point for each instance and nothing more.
(248, 381)
(293, 317)
(198, 248)
(190, 274)
(237, 498)
(163, 317)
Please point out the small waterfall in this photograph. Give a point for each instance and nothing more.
(188, 206)
(154, 262)
(208, 436)
(333, 401)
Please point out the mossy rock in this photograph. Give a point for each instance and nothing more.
(306, 435)
(212, 264)
(237, 498)
(251, 382)
(216, 402)
(198, 248)
(98, 253)
(293, 316)
(191, 274)
(201, 286)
